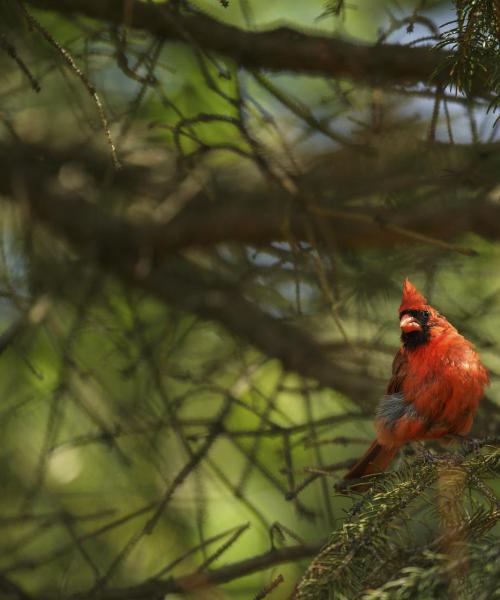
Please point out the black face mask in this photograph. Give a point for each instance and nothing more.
(414, 339)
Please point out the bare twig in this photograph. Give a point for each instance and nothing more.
(63, 52)
(10, 49)
(270, 587)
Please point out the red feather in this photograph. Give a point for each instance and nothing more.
(436, 385)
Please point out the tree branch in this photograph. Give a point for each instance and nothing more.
(261, 215)
(196, 580)
(131, 252)
(134, 250)
(281, 49)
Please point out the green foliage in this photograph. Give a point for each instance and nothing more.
(474, 40)
(191, 356)
(378, 553)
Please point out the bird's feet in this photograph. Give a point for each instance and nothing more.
(470, 445)
(428, 457)
(425, 455)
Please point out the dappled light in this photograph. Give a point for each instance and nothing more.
(208, 210)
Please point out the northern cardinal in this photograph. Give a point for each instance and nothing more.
(436, 385)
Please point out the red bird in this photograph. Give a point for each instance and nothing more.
(436, 385)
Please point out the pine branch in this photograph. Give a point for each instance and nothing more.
(373, 531)
(281, 49)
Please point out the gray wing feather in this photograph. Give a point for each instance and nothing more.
(393, 407)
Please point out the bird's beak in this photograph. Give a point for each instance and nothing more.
(408, 323)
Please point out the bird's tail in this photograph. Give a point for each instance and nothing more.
(375, 460)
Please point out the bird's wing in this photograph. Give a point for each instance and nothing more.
(397, 419)
(399, 371)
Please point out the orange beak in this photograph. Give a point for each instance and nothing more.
(408, 323)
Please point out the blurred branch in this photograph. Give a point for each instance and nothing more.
(281, 49)
(314, 474)
(12, 590)
(270, 587)
(133, 249)
(34, 315)
(69, 60)
(128, 251)
(7, 47)
(10, 334)
(186, 584)
(262, 215)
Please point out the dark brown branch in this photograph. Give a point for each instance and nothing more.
(10, 334)
(260, 215)
(132, 250)
(281, 49)
(154, 590)
(7, 47)
(129, 252)
(270, 587)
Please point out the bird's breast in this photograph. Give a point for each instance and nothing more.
(445, 380)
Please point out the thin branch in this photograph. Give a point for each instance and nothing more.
(10, 49)
(70, 61)
(268, 589)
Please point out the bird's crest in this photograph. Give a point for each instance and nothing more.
(412, 298)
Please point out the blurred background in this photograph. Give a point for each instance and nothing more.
(204, 233)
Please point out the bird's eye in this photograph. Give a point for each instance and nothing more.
(424, 313)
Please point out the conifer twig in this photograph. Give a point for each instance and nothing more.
(91, 89)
